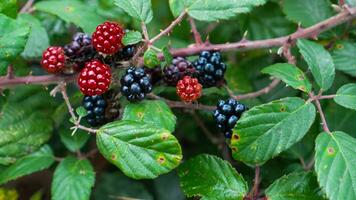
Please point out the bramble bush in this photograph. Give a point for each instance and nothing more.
(197, 99)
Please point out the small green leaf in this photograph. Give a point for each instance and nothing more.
(167, 55)
(307, 12)
(72, 11)
(344, 57)
(9, 7)
(156, 113)
(346, 96)
(81, 111)
(335, 165)
(13, 38)
(289, 74)
(132, 37)
(176, 7)
(138, 9)
(319, 61)
(31, 163)
(150, 58)
(211, 178)
(295, 186)
(38, 39)
(266, 130)
(140, 150)
(219, 9)
(73, 179)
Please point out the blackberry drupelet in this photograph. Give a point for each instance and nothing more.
(227, 114)
(210, 68)
(179, 68)
(135, 84)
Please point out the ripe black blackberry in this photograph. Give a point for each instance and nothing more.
(179, 68)
(101, 108)
(226, 115)
(155, 73)
(79, 51)
(135, 84)
(95, 106)
(210, 68)
(123, 54)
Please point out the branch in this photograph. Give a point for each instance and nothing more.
(169, 28)
(258, 93)
(344, 16)
(27, 6)
(206, 131)
(321, 112)
(36, 80)
(195, 31)
(145, 32)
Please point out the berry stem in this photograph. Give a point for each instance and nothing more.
(195, 31)
(255, 189)
(27, 7)
(321, 113)
(145, 33)
(169, 28)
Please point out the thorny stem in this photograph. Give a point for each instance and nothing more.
(345, 15)
(196, 34)
(321, 112)
(169, 28)
(27, 7)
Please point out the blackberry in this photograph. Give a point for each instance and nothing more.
(123, 54)
(155, 73)
(95, 106)
(101, 108)
(135, 84)
(226, 115)
(78, 52)
(210, 68)
(179, 68)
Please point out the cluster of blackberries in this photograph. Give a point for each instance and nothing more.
(101, 108)
(226, 115)
(210, 68)
(80, 50)
(135, 84)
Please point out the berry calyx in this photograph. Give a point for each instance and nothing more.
(227, 114)
(210, 68)
(179, 68)
(189, 89)
(53, 59)
(95, 78)
(135, 84)
(107, 38)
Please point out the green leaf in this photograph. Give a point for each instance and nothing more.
(38, 39)
(13, 38)
(346, 96)
(344, 57)
(319, 61)
(73, 180)
(295, 186)
(81, 111)
(132, 37)
(156, 113)
(138, 9)
(150, 58)
(167, 55)
(176, 6)
(72, 11)
(307, 12)
(9, 7)
(219, 9)
(211, 178)
(72, 142)
(140, 150)
(266, 130)
(335, 165)
(289, 74)
(22, 131)
(34, 162)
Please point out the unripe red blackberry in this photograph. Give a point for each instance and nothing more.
(179, 68)
(53, 59)
(95, 78)
(189, 89)
(107, 38)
